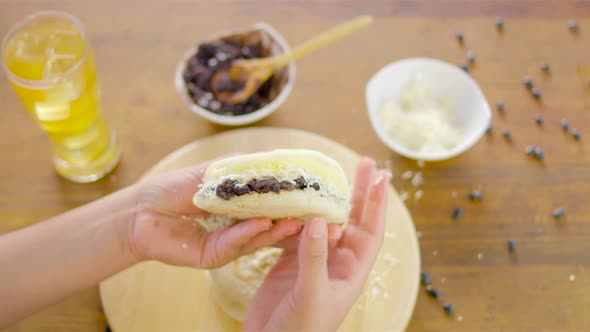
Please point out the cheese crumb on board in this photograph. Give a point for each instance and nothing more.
(420, 120)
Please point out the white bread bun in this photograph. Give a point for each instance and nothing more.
(234, 285)
(326, 191)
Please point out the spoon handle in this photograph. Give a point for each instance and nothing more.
(323, 39)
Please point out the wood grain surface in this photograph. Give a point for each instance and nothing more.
(138, 43)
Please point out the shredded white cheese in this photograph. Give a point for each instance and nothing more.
(420, 120)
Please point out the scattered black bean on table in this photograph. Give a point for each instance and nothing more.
(432, 292)
(536, 93)
(476, 195)
(511, 245)
(471, 56)
(499, 23)
(530, 150)
(449, 308)
(565, 125)
(576, 134)
(538, 154)
(573, 26)
(460, 37)
(558, 213)
(527, 82)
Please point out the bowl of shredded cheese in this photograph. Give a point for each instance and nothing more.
(426, 109)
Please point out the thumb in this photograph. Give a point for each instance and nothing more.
(313, 255)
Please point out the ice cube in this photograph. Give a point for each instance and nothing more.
(52, 110)
(85, 139)
(56, 66)
(63, 92)
(28, 51)
(65, 44)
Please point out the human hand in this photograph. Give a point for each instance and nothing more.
(164, 227)
(312, 286)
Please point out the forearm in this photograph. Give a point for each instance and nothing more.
(49, 261)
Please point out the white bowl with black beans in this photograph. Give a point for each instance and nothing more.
(195, 70)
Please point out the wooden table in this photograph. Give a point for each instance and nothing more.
(137, 45)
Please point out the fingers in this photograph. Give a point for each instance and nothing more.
(334, 234)
(291, 243)
(225, 244)
(376, 205)
(313, 256)
(281, 230)
(364, 176)
(365, 239)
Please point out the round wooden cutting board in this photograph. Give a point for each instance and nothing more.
(152, 296)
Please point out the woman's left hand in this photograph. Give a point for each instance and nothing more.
(164, 226)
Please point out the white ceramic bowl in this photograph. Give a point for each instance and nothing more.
(238, 120)
(472, 110)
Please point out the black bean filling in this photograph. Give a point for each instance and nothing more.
(231, 188)
(218, 54)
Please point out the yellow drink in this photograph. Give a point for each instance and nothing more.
(51, 67)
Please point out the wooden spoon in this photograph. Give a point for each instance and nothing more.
(242, 79)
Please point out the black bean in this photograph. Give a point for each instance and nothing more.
(449, 309)
(287, 185)
(265, 185)
(511, 245)
(460, 37)
(457, 213)
(539, 119)
(558, 213)
(464, 67)
(471, 56)
(425, 277)
(499, 22)
(225, 189)
(577, 135)
(536, 93)
(476, 195)
(240, 190)
(432, 292)
(530, 150)
(489, 129)
(300, 183)
(573, 26)
(500, 106)
(538, 153)
(545, 67)
(205, 52)
(527, 82)
(265, 88)
(507, 135)
(203, 79)
(565, 125)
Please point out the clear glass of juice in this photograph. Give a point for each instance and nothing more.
(50, 64)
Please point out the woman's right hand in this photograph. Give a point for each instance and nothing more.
(314, 284)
